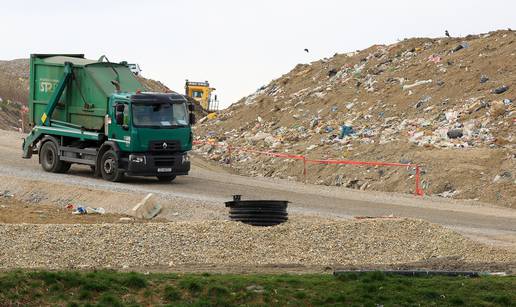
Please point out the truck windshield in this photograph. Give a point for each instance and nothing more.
(159, 115)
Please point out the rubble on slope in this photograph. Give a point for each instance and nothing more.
(422, 100)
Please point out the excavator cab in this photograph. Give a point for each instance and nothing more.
(201, 91)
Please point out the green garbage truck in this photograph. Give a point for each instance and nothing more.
(93, 112)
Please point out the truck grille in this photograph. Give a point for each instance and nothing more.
(164, 161)
(168, 146)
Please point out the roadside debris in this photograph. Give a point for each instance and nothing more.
(88, 210)
(147, 209)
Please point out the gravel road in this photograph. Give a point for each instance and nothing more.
(201, 194)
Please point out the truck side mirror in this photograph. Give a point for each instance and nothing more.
(191, 107)
(192, 119)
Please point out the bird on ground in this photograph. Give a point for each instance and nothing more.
(447, 33)
(306, 50)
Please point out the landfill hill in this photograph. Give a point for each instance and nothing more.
(14, 92)
(447, 104)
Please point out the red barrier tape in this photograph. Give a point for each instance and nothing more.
(418, 191)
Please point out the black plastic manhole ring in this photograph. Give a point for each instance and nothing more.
(258, 212)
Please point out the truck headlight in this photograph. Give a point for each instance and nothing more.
(137, 159)
(186, 158)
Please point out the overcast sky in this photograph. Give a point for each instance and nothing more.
(236, 45)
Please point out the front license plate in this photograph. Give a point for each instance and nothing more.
(164, 170)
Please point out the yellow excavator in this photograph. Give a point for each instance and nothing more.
(201, 92)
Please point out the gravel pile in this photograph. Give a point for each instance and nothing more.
(175, 244)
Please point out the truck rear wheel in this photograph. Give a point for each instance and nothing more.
(49, 159)
(165, 178)
(109, 167)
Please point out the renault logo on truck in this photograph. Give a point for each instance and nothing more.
(165, 145)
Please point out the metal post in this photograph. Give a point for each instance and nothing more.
(419, 191)
(304, 168)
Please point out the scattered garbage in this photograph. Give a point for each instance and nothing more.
(423, 101)
(411, 92)
(501, 89)
(88, 210)
(455, 133)
(434, 58)
(328, 129)
(504, 176)
(448, 194)
(417, 83)
(462, 45)
(332, 72)
(6, 194)
(346, 130)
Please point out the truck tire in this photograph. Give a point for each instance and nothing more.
(109, 167)
(166, 178)
(65, 167)
(49, 159)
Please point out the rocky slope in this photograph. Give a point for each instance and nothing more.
(14, 91)
(446, 104)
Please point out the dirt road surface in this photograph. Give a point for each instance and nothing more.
(201, 195)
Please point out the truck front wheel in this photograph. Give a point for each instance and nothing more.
(109, 167)
(49, 159)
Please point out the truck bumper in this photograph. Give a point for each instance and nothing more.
(153, 165)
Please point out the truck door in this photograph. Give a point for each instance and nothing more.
(120, 125)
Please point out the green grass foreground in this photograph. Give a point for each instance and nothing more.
(108, 288)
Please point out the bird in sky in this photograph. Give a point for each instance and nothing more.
(306, 50)
(447, 33)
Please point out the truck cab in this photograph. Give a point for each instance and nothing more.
(152, 132)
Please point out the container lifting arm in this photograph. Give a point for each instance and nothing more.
(54, 100)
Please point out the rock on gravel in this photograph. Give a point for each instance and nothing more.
(176, 244)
